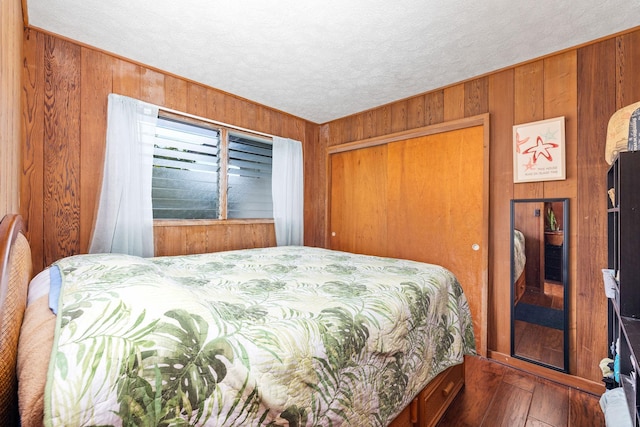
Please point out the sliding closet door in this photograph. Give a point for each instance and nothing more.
(435, 198)
(358, 218)
(419, 195)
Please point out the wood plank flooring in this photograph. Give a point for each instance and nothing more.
(535, 341)
(496, 395)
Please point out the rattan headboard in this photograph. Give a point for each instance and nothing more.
(15, 273)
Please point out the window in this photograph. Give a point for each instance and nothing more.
(249, 177)
(203, 171)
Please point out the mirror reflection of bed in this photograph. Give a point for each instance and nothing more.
(539, 315)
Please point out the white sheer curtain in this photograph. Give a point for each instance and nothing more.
(124, 223)
(287, 191)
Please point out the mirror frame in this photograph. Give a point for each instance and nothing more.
(565, 282)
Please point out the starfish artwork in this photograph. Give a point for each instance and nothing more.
(541, 149)
(528, 166)
(538, 151)
(519, 142)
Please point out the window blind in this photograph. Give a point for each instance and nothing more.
(249, 177)
(185, 174)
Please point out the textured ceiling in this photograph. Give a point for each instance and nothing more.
(321, 60)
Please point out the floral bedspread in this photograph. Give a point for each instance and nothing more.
(281, 336)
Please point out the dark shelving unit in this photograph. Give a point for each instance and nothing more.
(623, 224)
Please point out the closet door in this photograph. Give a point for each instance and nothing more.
(436, 208)
(435, 190)
(358, 218)
(420, 196)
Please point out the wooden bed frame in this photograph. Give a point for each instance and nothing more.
(16, 272)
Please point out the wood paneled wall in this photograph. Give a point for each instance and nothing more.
(195, 237)
(65, 87)
(64, 116)
(10, 86)
(585, 85)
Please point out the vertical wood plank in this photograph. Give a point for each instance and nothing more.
(357, 132)
(32, 185)
(529, 107)
(476, 100)
(195, 239)
(627, 69)
(529, 92)
(152, 86)
(171, 241)
(196, 99)
(126, 78)
(382, 125)
(277, 123)
(215, 107)
(61, 149)
(231, 110)
(176, 93)
(337, 135)
(399, 116)
(561, 99)
(596, 104)
(315, 171)
(10, 88)
(323, 144)
(96, 74)
(454, 102)
(415, 112)
(501, 101)
(369, 124)
(248, 120)
(434, 107)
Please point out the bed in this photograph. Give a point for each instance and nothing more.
(272, 337)
(519, 262)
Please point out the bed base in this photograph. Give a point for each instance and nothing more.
(429, 406)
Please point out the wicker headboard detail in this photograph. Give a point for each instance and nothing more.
(15, 273)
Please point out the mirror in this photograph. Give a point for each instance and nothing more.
(539, 281)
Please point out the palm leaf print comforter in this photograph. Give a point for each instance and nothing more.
(294, 336)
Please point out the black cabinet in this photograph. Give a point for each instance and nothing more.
(623, 224)
(553, 262)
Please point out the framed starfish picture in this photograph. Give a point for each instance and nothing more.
(538, 151)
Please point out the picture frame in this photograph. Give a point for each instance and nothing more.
(539, 151)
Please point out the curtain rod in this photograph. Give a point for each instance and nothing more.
(215, 122)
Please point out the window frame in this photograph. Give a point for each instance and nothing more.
(223, 178)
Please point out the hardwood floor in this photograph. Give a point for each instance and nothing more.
(539, 342)
(496, 395)
(552, 296)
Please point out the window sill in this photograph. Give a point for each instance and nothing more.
(212, 222)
